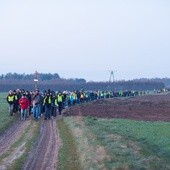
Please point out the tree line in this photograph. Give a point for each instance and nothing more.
(54, 81)
(39, 76)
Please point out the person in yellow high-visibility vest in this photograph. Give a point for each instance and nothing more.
(54, 106)
(60, 102)
(47, 103)
(16, 100)
(10, 99)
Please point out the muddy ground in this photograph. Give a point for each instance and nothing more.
(147, 108)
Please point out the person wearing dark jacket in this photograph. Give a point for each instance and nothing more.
(47, 103)
(36, 104)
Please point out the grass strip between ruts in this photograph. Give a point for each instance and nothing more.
(68, 155)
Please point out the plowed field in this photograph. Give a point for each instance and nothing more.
(147, 108)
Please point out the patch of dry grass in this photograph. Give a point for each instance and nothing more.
(92, 155)
(68, 156)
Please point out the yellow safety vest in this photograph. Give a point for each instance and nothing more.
(11, 98)
(60, 98)
(16, 97)
(55, 102)
(49, 100)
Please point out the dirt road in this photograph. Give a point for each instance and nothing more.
(44, 156)
(45, 152)
(11, 135)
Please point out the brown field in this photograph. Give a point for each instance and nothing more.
(147, 108)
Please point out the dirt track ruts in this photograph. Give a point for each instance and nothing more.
(44, 156)
(11, 135)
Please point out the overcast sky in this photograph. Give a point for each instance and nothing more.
(86, 38)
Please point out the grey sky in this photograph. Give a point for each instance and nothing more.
(85, 39)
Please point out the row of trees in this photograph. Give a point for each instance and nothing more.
(166, 81)
(55, 82)
(42, 77)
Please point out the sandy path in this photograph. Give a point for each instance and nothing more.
(11, 135)
(45, 154)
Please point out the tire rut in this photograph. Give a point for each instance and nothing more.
(45, 153)
(11, 135)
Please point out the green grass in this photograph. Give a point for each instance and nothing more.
(68, 156)
(5, 119)
(121, 144)
(91, 155)
(133, 144)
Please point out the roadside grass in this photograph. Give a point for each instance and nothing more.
(5, 119)
(133, 144)
(91, 154)
(21, 148)
(121, 144)
(68, 156)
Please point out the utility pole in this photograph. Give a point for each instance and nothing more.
(36, 80)
(111, 85)
(111, 77)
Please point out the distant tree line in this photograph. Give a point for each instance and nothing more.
(40, 76)
(166, 81)
(25, 78)
(53, 81)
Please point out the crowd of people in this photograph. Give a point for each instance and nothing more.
(36, 103)
(50, 103)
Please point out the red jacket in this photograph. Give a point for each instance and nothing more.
(24, 102)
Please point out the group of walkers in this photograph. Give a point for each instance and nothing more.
(27, 103)
(51, 103)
